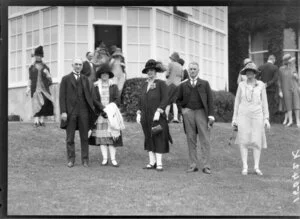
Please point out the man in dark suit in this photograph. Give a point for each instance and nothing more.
(88, 68)
(195, 98)
(76, 107)
(269, 75)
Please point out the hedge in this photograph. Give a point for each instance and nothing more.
(223, 101)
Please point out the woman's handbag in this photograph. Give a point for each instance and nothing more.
(156, 129)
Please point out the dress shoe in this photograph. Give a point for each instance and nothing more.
(206, 170)
(70, 164)
(42, 124)
(192, 169)
(289, 124)
(85, 164)
(159, 168)
(114, 163)
(245, 172)
(104, 163)
(258, 172)
(150, 166)
(36, 125)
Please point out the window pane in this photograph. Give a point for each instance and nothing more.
(144, 53)
(12, 75)
(28, 57)
(159, 38)
(19, 74)
(13, 59)
(159, 19)
(13, 43)
(70, 15)
(69, 33)
(54, 16)
(28, 22)
(13, 27)
(46, 35)
(132, 34)
(19, 25)
(133, 53)
(132, 16)
(167, 23)
(114, 14)
(259, 42)
(69, 50)
(53, 69)
(35, 25)
(46, 18)
(166, 40)
(54, 34)
(53, 52)
(35, 38)
(144, 17)
(19, 42)
(289, 41)
(100, 13)
(47, 53)
(68, 67)
(82, 48)
(82, 33)
(145, 35)
(82, 15)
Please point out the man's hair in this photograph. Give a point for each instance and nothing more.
(87, 53)
(194, 63)
(272, 58)
(77, 58)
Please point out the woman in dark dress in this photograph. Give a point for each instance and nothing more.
(151, 112)
(39, 88)
(105, 92)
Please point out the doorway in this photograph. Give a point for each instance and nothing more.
(109, 34)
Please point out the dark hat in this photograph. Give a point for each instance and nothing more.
(181, 61)
(249, 66)
(39, 51)
(152, 64)
(175, 56)
(105, 68)
(117, 52)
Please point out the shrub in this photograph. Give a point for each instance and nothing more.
(13, 117)
(223, 106)
(130, 96)
(223, 101)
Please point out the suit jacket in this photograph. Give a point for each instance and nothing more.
(204, 91)
(67, 95)
(269, 75)
(86, 68)
(33, 74)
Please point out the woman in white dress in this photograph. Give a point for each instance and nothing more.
(251, 115)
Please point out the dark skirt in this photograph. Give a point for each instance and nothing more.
(173, 93)
(47, 108)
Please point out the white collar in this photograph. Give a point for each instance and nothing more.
(76, 73)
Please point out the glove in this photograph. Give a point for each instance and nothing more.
(104, 115)
(64, 116)
(267, 124)
(156, 116)
(280, 94)
(138, 118)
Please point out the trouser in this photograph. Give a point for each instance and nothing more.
(273, 104)
(81, 121)
(195, 121)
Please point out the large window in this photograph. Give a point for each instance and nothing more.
(139, 40)
(163, 36)
(179, 31)
(207, 53)
(207, 15)
(220, 18)
(32, 35)
(194, 42)
(15, 48)
(75, 35)
(102, 13)
(220, 57)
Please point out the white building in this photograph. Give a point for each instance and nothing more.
(197, 33)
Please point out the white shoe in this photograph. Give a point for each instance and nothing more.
(245, 172)
(258, 172)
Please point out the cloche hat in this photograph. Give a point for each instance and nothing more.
(175, 56)
(249, 66)
(105, 68)
(152, 64)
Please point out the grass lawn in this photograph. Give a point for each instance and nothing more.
(40, 183)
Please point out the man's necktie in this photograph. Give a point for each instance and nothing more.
(77, 76)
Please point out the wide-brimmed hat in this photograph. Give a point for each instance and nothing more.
(175, 56)
(181, 61)
(249, 66)
(39, 51)
(118, 52)
(105, 68)
(152, 64)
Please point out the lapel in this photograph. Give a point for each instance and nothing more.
(73, 80)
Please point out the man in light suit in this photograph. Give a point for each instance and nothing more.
(77, 111)
(195, 98)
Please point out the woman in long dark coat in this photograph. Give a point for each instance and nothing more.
(39, 88)
(151, 112)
